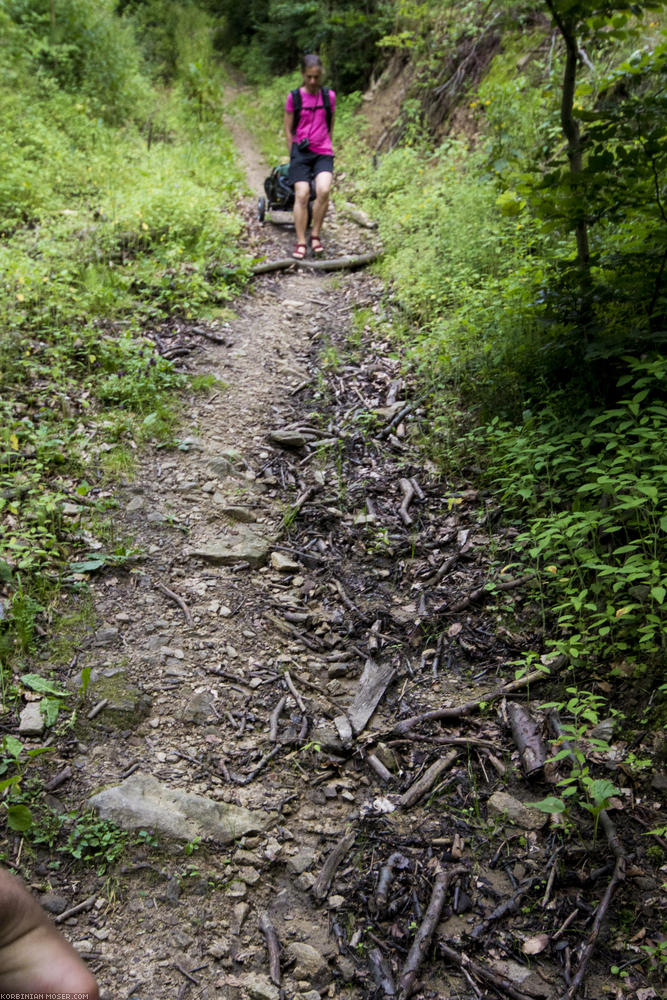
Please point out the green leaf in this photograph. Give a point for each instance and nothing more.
(42, 685)
(19, 818)
(88, 565)
(12, 746)
(658, 593)
(8, 782)
(50, 708)
(549, 805)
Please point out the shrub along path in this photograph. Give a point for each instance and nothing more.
(309, 591)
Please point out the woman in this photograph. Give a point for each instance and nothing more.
(309, 118)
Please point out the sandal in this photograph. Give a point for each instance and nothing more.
(299, 251)
(316, 245)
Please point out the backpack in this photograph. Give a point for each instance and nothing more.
(279, 191)
(297, 104)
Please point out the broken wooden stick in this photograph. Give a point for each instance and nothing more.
(482, 972)
(335, 264)
(177, 600)
(423, 936)
(381, 972)
(459, 711)
(525, 733)
(273, 719)
(409, 492)
(386, 877)
(321, 884)
(427, 780)
(273, 945)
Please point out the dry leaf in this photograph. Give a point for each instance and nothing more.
(534, 945)
(454, 629)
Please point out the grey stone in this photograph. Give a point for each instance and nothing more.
(244, 547)
(310, 995)
(155, 517)
(135, 504)
(523, 978)
(309, 964)
(284, 563)
(31, 720)
(220, 467)
(346, 968)
(200, 709)
(301, 861)
(126, 703)
(260, 987)
(507, 807)
(219, 948)
(287, 439)
(235, 513)
(53, 903)
(142, 802)
(106, 636)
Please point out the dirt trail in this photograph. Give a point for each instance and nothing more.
(356, 579)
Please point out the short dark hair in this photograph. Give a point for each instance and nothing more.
(309, 61)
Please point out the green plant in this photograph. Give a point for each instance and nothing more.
(192, 846)
(94, 840)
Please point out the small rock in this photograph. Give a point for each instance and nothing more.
(249, 875)
(310, 995)
(135, 504)
(346, 968)
(309, 964)
(176, 654)
(507, 807)
(283, 563)
(219, 949)
(200, 709)
(301, 861)
(237, 889)
(155, 517)
(343, 727)
(523, 978)
(31, 720)
(83, 946)
(239, 914)
(305, 882)
(106, 636)
(235, 513)
(247, 547)
(220, 467)
(287, 439)
(335, 902)
(260, 987)
(53, 903)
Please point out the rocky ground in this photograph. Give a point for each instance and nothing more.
(309, 588)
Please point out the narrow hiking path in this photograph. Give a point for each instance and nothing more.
(308, 584)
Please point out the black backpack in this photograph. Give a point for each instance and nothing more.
(297, 104)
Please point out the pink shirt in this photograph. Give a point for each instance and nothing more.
(313, 120)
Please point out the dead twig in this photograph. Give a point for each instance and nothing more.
(525, 733)
(483, 592)
(293, 691)
(482, 972)
(386, 878)
(427, 780)
(321, 884)
(274, 717)
(273, 945)
(409, 493)
(459, 711)
(73, 910)
(177, 600)
(423, 936)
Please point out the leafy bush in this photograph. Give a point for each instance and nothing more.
(593, 490)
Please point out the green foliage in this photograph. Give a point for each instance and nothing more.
(594, 493)
(266, 37)
(95, 841)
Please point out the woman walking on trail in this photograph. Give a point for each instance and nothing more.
(309, 118)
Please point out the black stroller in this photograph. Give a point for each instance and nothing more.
(280, 193)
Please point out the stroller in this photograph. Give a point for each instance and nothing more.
(279, 193)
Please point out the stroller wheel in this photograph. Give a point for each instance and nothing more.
(261, 209)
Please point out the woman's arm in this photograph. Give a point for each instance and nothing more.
(289, 125)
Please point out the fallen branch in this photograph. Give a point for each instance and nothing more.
(321, 884)
(483, 592)
(177, 600)
(73, 910)
(423, 936)
(335, 264)
(459, 711)
(385, 879)
(273, 945)
(273, 719)
(408, 491)
(525, 734)
(427, 780)
(481, 972)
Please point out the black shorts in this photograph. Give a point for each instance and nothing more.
(304, 165)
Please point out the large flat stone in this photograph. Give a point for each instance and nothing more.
(142, 802)
(246, 546)
(505, 806)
